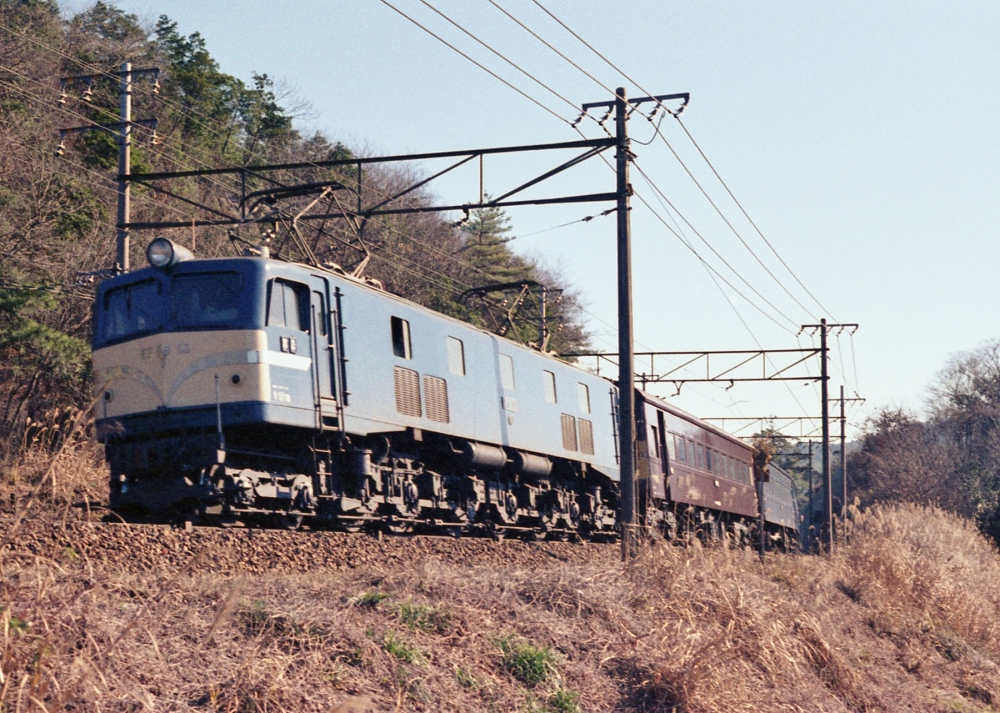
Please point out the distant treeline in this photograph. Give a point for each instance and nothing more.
(952, 457)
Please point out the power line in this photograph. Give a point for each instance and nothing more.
(544, 42)
(709, 267)
(710, 247)
(700, 151)
(505, 59)
(727, 222)
(751, 220)
(481, 66)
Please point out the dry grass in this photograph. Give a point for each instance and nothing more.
(904, 616)
(55, 463)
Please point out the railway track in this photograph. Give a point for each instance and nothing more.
(135, 547)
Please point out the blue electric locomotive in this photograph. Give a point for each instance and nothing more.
(242, 388)
(255, 387)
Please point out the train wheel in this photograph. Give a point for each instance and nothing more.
(399, 527)
(497, 532)
(351, 526)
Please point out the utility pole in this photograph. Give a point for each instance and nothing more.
(843, 454)
(623, 106)
(811, 509)
(626, 367)
(124, 129)
(824, 329)
(124, 167)
(843, 448)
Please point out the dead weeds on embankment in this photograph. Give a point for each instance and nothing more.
(902, 617)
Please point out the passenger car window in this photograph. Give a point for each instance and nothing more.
(507, 372)
(400, 338)
(584, 392)
(456, 356)
(549, 381)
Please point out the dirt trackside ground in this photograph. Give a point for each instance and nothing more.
(113, 618)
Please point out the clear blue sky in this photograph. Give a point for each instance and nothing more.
(861, 137)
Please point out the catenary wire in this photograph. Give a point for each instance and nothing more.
(751, 220)
(713, 274)
(478, 64)
(710, 247)
(505, 59)
(547, 44)
(700, 151)
(729, 224)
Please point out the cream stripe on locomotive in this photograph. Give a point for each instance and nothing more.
(178, 369)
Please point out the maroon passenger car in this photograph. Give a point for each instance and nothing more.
(691, 477)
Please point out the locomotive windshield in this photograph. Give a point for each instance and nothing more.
(205, 299)
(130, 310)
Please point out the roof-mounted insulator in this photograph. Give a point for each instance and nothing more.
(155, 140)
(156, 85)
(61, 148)
(463, 220)
(88, 95)
(62, 92)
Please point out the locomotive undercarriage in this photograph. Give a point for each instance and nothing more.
(401, 483)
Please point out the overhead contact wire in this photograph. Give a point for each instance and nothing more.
(700, 151)
(478, 64)
(547, 44)
(751, 220)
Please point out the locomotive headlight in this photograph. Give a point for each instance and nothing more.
(163, 253)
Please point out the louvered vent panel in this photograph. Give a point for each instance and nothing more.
(569, 432)
(586, 437)
(436, 399)
(407, 391)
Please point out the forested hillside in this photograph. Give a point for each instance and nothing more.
(57, 213)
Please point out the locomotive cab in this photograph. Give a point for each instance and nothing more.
(200, 360)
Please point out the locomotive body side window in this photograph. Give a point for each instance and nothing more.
(709, 460)
(584, 393)
(400, 338)
(507, 372)
(700, 451)
(456, 356)
(549, 381)
(655, 450)
(288, 306)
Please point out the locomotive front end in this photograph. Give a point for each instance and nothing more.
(176, 355)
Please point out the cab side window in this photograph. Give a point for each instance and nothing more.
(288, 306)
